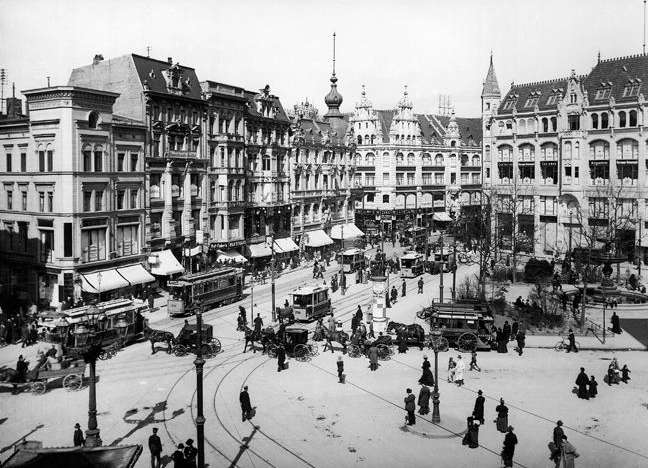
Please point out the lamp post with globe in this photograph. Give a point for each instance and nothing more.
(437, 343)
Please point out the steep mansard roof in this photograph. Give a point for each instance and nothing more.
(544, 90)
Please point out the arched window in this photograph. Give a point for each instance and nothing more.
(604, 120)
(359, 139)
(427, 160)
(599, 149)
(399, 158)
(464, 160)
(358, 159)
(595, 120)
(554, 125)
(373, 138)
(545, 125)
(475, 160)
(366, 139)
(487, 153)
(504, 152)
(371, 159)
(93, 119)
(622, 119)
(438, 160)
(386, 158)
(453, 143)
(522, 126)
(526, 152)
(627, 149)
(410, 159)
(567, 150)
(531, 125)
(633, 118)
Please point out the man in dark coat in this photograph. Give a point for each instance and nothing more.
(420, 286)
(403, 288)
(616, 327)
(178, 457)
(281, 358)
(21, 369)
(478, 412)
(510, 441)
(340, 369)
(387, 301)
(582, 381)
(354, 323)
(373, 357)
(514, 330)
(190, 453)
(246, 406)
(410, 406)
(394, 295)
(520, 338)
(558, 434)
(506, 331)
(572, 342)
(79, 440)
(155, 446)
(258, 323)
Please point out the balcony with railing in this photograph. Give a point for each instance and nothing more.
(181, 154)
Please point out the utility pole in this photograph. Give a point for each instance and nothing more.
(441, 272)
(454, 270)
(200, 418)
(343, 283)
(272, 279)
(3, 80)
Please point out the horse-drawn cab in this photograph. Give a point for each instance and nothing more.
(466, 330)
(295, 342)
(352, 260)
(310, 302)
(187, 341)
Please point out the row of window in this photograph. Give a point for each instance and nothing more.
(426, 159)
(93, 161)
(93, 242)
(175, 114)
(19, 200)
(126, 199)
(19, 164)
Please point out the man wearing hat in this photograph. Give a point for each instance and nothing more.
(79, 441)
(246, 406)
(155, 446)
(190, 453)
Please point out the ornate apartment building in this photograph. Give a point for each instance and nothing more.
(72, 196)
(415, 169)
(572, 152)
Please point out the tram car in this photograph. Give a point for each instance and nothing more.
(466, 330)
(352, 260)
(415, 237)
(411, 264)
(310, 303)
(218, 286)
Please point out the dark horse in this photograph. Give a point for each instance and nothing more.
(266, 337)
(158, 336)
(335, 336)
(414, 333)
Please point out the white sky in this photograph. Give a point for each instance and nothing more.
(432, 46)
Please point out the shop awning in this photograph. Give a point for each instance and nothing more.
(120, 456)
(317, 238)
(101, 281)
(350, 231)
(166, 264)
(285, 245)
(259, 250)
(441, 216)
(135, 274)
(230, 255)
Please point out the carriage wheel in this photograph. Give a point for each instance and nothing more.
(72, 382)
(272, 351)
(353, 351)
(301, 352)
(179, 350)
(467, 343)
(216, 346)
(384, 352)
(38, 387)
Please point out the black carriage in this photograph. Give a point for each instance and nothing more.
(358, 348)
(187, 341)
(69, 371)
(295, 341)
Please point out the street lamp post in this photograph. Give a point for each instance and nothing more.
(199, 363)
(272, 279)
(343, 283)
(454, 270)
(441, 272)
(437, 343)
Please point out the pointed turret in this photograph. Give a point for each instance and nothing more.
(333, 99)
(491, 88)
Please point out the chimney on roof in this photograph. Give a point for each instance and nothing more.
(97, 58)
(170, 60)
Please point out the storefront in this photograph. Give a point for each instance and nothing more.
(115, 282)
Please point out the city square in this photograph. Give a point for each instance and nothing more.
(281, 252)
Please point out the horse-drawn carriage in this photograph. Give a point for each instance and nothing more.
(69, 371)
(465, 330)
(296, 345)
(359, 347)
(412, 334)
(187, 341)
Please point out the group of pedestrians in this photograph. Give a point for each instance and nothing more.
(586, 386)
(183, 457)
(457, 368)
(562, 451)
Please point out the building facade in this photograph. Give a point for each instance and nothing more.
(571, 151)
(415, 169)
(73, 196)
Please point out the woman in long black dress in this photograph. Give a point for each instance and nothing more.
(427, 378)
(502, 417)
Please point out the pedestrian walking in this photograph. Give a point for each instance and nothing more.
(373, 357)
(514, 329)
(581, 381)
(403, 288)
(510, 441)
(354, 324)
(569, 453)
(281, 358)
(572, 342)
(452, 365)
(420, 286)
(394, 295)
(424, 399)
(593, 384)
(151, 301)
(387, 301)
(402, 342)
(21, 369)
(506, 331)
(246, 406)
(478, 410)
(471, 438)
(258, 323)
(459, 371)
(502, 417)
(616, 327)
(427, 378)
(625, 374)
(331, 322)
(340, 369)
(556, 444)
(359, 313)
(190, 453)
(79, 440)
(410, 406)
(473, 362)
(521, 342)
(178, 457)
(155, 447)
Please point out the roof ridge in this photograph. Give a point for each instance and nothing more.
(158, 60)
(533, 83)
(625, 57)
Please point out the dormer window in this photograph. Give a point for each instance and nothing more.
(603, 93)
(508, 105)
(553, 99)
(632, 88)
(533, 99)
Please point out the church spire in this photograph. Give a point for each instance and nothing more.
(491, 88)
(333, 99)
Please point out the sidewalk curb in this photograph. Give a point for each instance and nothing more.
(590, 348)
